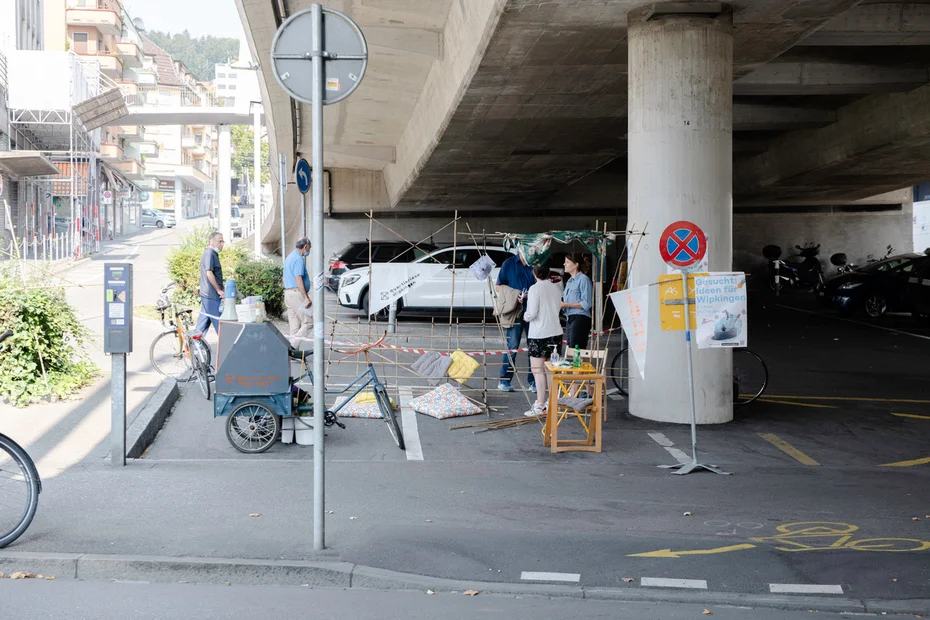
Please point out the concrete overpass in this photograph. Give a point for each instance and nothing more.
(789, 116)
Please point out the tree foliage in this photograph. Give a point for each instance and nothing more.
(200, 55)
(243, 153)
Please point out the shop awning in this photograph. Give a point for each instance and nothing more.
(19, 164)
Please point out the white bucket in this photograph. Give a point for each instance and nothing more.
(246, 313)
(303, 431)
(287, 429)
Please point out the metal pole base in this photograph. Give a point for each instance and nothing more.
(693, 466)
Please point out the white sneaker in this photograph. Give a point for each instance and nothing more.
(536, 411)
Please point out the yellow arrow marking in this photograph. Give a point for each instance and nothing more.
(668, 553)
(912, 415)
(908, 463)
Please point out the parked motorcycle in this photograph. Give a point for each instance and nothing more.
(842, 264)
(806, 274)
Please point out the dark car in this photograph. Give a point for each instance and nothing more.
(877, 288)
(356, 255)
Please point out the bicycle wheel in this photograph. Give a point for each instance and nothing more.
(201, 366)
(19, 490)
(252, 428)
(750, 376)
(620, 372)
(169, 358)
(384, 404)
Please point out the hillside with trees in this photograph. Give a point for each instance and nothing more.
(200, 55)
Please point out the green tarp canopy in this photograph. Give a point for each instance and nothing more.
(535, 249)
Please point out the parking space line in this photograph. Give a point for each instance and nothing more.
(804, 588)
(661, 582)
(851, 399)
(912, 415)
(923, 461)
(788, 449)
(565, 577)
(661, 439)
(795, 403)
(408, 416)
(669, 446)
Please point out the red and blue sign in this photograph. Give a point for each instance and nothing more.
(682, 244)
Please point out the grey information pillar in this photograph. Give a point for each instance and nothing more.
(117, 341)
(257, 181)
(224, 184)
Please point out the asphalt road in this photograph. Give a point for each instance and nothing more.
(78, 600)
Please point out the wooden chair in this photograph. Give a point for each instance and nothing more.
(590, 416)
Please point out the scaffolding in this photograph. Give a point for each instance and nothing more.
(57, 217)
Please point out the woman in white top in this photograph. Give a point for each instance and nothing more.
(544, 301)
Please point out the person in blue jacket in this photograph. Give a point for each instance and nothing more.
(516, 274)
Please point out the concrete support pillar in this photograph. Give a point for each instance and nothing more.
(178, 200)
(680, 168)
(223, 184)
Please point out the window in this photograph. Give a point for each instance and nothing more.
(233, 76)
(232, 87)
(221, 87)
(79, 42)
(499, 256)
(441, 258)
(220, 76)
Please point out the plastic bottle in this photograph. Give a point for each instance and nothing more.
(576, 361)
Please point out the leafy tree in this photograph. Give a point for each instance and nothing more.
(243, 153)
(200, 55)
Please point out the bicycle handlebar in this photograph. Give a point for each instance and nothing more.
(6, 335)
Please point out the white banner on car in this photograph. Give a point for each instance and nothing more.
(633, 310)
(390, 281)
(721, 312)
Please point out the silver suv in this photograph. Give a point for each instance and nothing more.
(158, 219)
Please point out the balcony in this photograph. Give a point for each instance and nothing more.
(149, 148)
(130, 54)
(188, 142)
(111, 151)
(131, 169)
(105, 17)
(132, 133)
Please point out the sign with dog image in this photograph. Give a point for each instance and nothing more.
(721, 310)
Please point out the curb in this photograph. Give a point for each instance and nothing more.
(144, 427)
(335, 574)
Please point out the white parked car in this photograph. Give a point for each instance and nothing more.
(235, 222)
(158, 219)
(437, 293)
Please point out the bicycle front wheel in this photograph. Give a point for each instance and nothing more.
(199, 356)
(750, 376)
(19, 490)
(169, 358)
(620, 371)
(387, 410)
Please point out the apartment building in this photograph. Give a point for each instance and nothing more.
(237, 80)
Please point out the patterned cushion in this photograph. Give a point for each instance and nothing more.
(444, 402)
(359, 410)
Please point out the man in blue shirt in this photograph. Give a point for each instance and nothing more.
(297, 290)
(211, 285)
(516, 274)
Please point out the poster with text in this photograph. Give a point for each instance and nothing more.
(633, 311)
(390, 281)
(720, 306)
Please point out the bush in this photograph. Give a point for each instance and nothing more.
(263, 277)
(253, 276)
(46, 334)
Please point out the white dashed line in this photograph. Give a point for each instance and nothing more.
(411, 432)
(565, 577)
(804, 588)
(666, 443)
(660, 582)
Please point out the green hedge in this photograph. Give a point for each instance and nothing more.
(253, 276)
(46, 333)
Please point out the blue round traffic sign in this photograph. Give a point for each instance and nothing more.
(302, 173)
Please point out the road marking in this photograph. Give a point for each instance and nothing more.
(795, 403)
(837, 318)
(908, 463)
(848, 399)
(660, 582)
(912, 415)
(788, 449)
(666, 443)
(803, 588)
(411, 432)
(668, 553)
(566, 577)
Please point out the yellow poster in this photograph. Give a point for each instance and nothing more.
(159, 199)
(671, 302)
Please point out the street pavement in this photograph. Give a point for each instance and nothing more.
(77, 600)
(812, 510)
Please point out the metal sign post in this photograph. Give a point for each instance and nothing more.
(683, 246)
(117, 341)
(336, 72)
(282, 186)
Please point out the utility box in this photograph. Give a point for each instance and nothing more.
(117, 308)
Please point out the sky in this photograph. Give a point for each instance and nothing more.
(219, 18)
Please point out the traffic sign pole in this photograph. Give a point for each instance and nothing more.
(683, 245)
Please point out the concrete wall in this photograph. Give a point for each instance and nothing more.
(921, 226)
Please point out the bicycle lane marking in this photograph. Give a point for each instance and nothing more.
(669, 446)
(788, 449)
(408, 416)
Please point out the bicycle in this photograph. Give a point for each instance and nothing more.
(180, 352)
(20, 486)
(252, 427)
(750, 375)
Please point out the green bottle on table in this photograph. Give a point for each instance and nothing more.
(576, 362)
